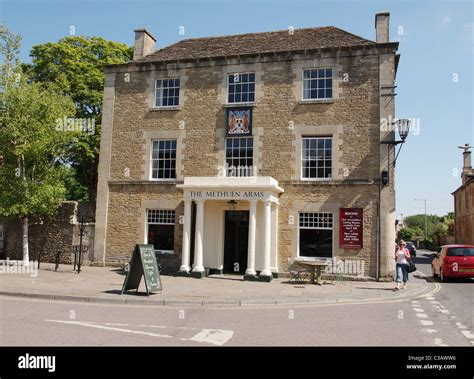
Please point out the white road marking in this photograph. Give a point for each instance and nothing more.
(425, 330)
(415, 302)
(460, 325)
(467, 334)
(444, 311)
(426, 322)
(91, 325)
(439, 342)
(418, 310)
(215, 337)
(429, 297)
(212, 336)
(422, 315)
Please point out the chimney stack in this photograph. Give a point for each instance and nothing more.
(144, 44)
(467, 168)
(382, 27)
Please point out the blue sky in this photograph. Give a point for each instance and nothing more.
(436, 46)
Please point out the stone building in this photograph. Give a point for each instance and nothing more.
(234, 154)
(464, 202)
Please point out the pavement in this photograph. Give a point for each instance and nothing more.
(103, 285)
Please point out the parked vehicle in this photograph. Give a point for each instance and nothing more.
(412, 248)
(453, 261)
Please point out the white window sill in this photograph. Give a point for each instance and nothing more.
(236, 105)
(310, 180)
(315, 101)
(164, 252)
(163, 181)
(157, 109)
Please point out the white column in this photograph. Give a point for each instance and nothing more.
(267, 220)
(186, 236)
(198, 241)
(252, 230)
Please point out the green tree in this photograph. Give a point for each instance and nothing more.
(31, 147)
(408, 233)
(75, 65)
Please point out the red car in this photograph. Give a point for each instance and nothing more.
(453, 261)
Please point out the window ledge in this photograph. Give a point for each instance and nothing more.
(316, 101)
(237, 105)
(158, 109)
(162, 252)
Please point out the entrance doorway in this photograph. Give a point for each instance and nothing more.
(236, 234)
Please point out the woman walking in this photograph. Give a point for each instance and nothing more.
(402, 256)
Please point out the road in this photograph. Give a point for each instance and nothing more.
(444, 318)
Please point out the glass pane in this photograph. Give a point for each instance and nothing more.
(316, 243)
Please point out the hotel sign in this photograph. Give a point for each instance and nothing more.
(351, 228)
(242, 195)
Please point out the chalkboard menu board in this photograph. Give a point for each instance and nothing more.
(143, 262)
(351, 228)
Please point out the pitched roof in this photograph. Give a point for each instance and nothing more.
(254, 43)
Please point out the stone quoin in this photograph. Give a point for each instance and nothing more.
(302, 109)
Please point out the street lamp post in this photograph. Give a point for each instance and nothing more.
(426, 218)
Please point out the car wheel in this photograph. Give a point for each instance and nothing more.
(435, 275)
(443, 277)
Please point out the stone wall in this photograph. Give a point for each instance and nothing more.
(464, 221)
(50, 234)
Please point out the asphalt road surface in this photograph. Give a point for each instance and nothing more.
(443, 318)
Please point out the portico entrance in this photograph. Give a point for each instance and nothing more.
(242, 240)
(236, 232)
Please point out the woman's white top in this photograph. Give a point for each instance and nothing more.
(401, 257)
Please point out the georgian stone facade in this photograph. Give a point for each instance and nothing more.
(363, 74)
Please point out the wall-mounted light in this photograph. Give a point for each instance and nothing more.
(403, 127)
(232, 205)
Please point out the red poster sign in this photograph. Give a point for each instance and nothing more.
(350, 228)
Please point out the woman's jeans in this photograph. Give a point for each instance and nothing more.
(402, 272)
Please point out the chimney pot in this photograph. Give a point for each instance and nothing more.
(144, 43)
(382, 20)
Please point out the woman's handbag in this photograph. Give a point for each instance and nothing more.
(411, 266)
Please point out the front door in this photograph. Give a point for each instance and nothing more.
(236, 241)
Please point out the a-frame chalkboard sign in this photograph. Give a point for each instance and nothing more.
(143, 262)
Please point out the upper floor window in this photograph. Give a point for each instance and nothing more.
(239, 156)
(316, 158)
(317, 84)
(163, 159)
(167, 92)
(241, 88)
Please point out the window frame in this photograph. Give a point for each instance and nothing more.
(156, 97)
(251, 167)
(309, 100)
(152, 142)
(317, 179)
(333, 229)
(254, 90)
(148, 223)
